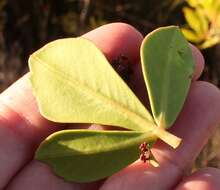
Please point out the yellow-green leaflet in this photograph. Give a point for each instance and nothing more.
(88, 155)
(74, 83)
(168, 66)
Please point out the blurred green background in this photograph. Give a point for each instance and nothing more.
(26, 25)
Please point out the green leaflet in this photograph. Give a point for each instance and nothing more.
(167, 65)
(74, 83)
(86, 155)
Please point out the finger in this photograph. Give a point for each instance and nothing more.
(199, 62)
(22, 127)
(38, 176)
(195, 124)
(117, 39)
(204, 179)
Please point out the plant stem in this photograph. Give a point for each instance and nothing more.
(167, 137)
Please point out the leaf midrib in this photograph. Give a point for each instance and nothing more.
(143, 123)
(164, 94)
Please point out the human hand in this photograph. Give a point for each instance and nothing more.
(22, 128)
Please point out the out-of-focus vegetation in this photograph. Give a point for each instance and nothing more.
(203, 22)
(27, 25)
